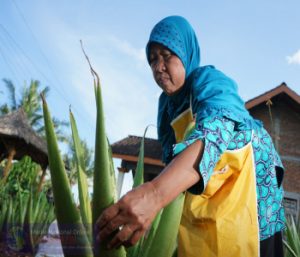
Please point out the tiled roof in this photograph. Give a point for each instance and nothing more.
(283, 88)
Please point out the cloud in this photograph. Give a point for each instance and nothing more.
(128, 90)
(294, 59)
(126, 48)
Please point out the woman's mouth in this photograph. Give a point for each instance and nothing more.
(162, 80)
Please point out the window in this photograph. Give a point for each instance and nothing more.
(291, 203)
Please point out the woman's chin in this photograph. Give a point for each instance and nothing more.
(168, 90)
(171, 92)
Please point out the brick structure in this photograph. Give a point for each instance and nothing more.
(278, 109)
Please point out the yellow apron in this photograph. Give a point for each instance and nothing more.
(223, 220)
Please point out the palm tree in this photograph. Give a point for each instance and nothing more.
(70, 160)
(30, 102)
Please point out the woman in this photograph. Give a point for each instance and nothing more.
(214, 150)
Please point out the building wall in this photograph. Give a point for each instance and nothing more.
(284, 128)
(286, 136)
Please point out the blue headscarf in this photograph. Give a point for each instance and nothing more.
(211, 91)
(173, 32)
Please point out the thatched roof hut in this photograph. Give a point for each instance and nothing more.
(17, 138)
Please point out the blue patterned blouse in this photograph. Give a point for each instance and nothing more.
(219, 135)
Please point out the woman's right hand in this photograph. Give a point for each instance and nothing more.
(135, 211)
(131, 215)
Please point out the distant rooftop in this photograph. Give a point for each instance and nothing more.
(16, 132)
(129, 147)
(281, 89)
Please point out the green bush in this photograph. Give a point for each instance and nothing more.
(25, 214)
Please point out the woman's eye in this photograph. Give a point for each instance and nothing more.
(152, 60)
(167, 56)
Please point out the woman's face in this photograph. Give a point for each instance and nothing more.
(168, 70)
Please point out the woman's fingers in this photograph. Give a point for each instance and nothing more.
(127, 237)
(134, 213)
(107, 216)
(121, 237)
(134, 238)
(111, 227)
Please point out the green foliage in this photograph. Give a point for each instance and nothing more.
(24, 215)
(139, 173)
(72, 233)
(85, 204)
(71, 163)
(292, 235)
(30, 102)
(104, 191)
(165, 238)
(2, 166)
(22, 176)
(161, 239)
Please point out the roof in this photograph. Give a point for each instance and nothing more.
(281, 89)
(129, 147)
(15, 130)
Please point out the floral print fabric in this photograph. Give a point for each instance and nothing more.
(219, 135)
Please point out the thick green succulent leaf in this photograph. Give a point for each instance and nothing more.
(292, 242)
(149, 238)
(104, 193)
(138, 179)
(104, 188)
(139, 172)
(164, 241)
(85, 206)
(29, 244)
(72, 232)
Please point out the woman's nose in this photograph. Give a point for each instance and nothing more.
(160, 65)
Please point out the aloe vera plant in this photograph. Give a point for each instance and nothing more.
(67, 215)
(85, 208)
(292, 241)
(161, 237)
(24, 215)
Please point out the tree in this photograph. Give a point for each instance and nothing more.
(30, 102)
(70, 160)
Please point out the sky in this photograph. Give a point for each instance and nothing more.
(257, 43)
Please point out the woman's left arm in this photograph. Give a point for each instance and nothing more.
(135, 211)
